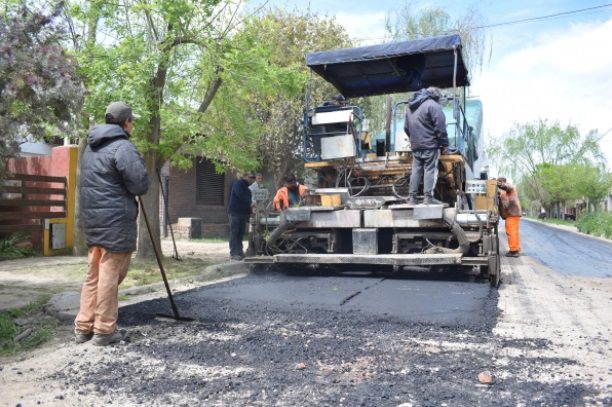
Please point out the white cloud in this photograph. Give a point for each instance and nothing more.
(365, 27)
(563, 76)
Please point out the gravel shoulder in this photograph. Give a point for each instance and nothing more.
(548, 316)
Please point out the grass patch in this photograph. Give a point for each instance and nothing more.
(26, 327)
(596, 224)
(63, 273)
(147, 272)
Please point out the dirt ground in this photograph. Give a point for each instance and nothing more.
(550, 346)
(24, 280)
(571, 314)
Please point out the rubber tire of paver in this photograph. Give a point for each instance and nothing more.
(495, 280)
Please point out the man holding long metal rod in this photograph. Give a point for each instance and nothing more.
(113, 174)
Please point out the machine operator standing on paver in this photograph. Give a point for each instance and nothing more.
(425, 126)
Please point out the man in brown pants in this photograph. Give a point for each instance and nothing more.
(112, 175)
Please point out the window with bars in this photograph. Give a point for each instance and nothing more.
(210, 186)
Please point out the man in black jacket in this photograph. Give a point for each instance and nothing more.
(238, 211)
(425, 126)
(112, 175)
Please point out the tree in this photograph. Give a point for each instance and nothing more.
(289, 36)
(40, 91)
(554, 163)
(526, 145)
(407, 24)
(173, 60)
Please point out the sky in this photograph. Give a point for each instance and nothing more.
(557, 68)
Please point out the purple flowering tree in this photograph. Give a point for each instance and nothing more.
(40, 91)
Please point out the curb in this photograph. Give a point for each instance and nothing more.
(65, 306)
(571, 229)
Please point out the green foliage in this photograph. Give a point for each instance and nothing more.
(40, 90)
(596, 223)
(36, 329)
(275, 107)
(165, 58)
(554, 163)
(10, 250)
(528, 145)
(197, 81)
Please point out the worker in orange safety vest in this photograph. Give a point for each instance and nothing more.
(510, 211)
(289, 195)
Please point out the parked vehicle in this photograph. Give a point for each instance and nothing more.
(357, 215)
(570, 213)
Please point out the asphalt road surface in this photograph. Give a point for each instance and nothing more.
(359, 340)
(566, 252)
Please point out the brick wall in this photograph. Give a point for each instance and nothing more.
(182, 202)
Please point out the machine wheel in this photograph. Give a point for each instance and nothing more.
(494, 270)
(401, 187)
(495, 263)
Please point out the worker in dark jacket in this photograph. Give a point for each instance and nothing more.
(112, 175)
(425, 126)
(238, 211)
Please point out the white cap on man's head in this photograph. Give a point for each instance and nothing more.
(435, 93)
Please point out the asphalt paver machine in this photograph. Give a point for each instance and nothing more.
(356, 213)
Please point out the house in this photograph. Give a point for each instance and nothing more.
(196, 199)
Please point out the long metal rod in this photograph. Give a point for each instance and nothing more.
(165, 198)
(159, 262)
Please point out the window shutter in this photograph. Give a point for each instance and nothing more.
(210, 186)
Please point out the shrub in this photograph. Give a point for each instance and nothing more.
(596, 223)
(10, 248)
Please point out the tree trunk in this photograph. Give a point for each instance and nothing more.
(151, 204)
(79, 247)
(153, 134)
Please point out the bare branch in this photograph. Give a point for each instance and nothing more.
(211, 91)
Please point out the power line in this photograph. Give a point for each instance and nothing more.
(524, 20)
(564, 13)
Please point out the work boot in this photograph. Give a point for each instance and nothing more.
(411, 200)
(107, 339)
(236, 258)
(82, 337)
(428, 200)
(512, 254)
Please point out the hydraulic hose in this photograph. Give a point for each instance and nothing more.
(457, 231)
(276, 233)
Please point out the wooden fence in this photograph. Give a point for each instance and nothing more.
(27, 201)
